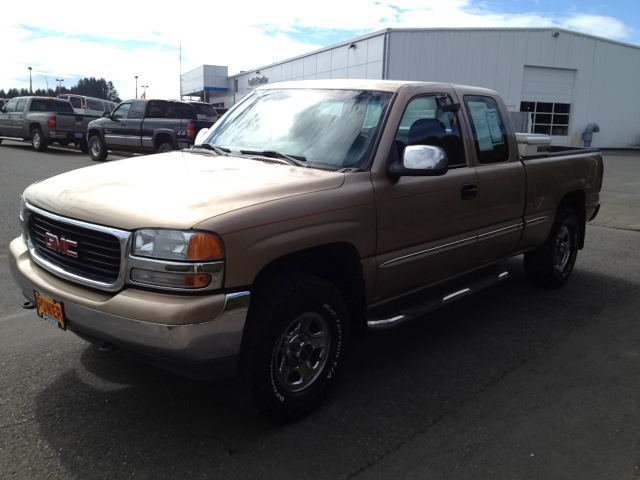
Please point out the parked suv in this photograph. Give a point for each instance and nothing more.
(89, 105)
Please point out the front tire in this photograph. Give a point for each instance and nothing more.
(550, 266)
(295, 344)
(37, 140)
(97, 149)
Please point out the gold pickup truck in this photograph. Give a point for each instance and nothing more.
(311, 212)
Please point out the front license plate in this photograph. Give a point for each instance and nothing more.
(50, 310)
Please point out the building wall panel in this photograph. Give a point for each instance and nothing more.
(605, 82)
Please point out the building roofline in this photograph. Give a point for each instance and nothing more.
(461, 29)
(515, 29)
(313, 52)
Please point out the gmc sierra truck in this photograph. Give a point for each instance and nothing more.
(43, 120)
(145, 126)
(311, 212)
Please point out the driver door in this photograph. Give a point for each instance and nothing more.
(426, 224)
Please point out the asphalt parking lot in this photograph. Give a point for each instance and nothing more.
(514, 383)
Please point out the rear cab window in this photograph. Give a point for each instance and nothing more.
(487, 126)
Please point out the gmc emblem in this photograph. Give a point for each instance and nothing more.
(61, 245)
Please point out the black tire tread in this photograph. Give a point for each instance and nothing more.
(538, 264)
(268, 298)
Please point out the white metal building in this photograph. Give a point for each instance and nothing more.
(563, 79)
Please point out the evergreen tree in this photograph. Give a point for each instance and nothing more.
(99, 88)
(91, 87)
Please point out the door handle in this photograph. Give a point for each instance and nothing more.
(469, 191)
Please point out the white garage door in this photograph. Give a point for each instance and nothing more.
(541, 84)
(547, 95)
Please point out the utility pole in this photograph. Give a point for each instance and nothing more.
(136, 86)
(30, 84)
(59, 80)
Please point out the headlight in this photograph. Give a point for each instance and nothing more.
(176, 259)
(176, 245)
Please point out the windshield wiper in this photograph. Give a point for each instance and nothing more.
(290, 159)
(208, 146)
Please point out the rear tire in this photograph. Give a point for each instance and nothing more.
(97, 149)
(165, 147)
(294, 344)
(550, 266)
(37, 140)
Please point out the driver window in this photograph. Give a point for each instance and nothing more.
(122, 111)
(10, 107)
(432, 120)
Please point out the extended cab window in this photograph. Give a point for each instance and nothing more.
(489, 134)
(432, 120)
(137, 110)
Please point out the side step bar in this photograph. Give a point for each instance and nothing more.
(443, 297)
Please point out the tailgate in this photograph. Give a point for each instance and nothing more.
(72, 123)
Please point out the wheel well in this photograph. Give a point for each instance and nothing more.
(91, 133)
(33, 126)
(338, 264)
(162, 138)
(577, 202)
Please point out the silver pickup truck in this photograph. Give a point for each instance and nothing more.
(311, 212)
(43, 120)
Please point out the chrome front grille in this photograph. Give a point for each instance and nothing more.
(96, 256)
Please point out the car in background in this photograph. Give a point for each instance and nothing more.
(89, 105)
(43, 120)
(145, 126)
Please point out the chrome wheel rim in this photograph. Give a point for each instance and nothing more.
(95, 149)
(563, 248)
(301, 352)
(36, 139)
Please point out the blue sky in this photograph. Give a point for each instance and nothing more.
(143, 39)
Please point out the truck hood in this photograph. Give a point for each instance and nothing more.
(176, 190)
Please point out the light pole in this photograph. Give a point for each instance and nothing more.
(145, 90)
(45, 79)
(136, 86)
(59, 80)
(30, 84)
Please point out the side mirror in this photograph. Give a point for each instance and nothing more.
(202, 134)
(420, 161)
(106, 114)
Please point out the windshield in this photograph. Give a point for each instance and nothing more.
(326, 128)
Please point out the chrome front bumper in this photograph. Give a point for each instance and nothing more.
(159, 327)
